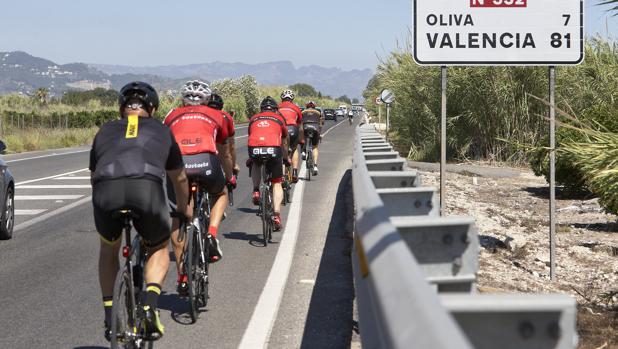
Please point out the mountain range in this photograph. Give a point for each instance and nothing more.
(21, 72)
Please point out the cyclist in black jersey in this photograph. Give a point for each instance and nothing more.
(313, 121)
(129, 160)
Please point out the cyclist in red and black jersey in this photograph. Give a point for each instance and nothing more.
(294, 119)
(268, 134)
(201, 133)
(216, 102)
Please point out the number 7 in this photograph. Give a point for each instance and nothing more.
(568, 18)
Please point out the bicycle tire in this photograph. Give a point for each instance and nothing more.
(123, 311)
(264, 210)
(309, 159)
(190, 257)
(203, 279)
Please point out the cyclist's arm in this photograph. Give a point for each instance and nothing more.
(181, 188)
(226, 158)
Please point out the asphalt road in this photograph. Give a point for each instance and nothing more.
(48, 271)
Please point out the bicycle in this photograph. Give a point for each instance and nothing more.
(309, 134)
(266, 211)
(127, 314)
(287, 182)
(196, 258)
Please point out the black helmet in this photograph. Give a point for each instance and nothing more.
(269, 103)
(215, 101)
(139, 90)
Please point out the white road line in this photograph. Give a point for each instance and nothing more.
(52, 186)
(239, 137)
(330, 129)
(71, 177)
(46, 197)
(41, 218)
(28, 212)
(241, 127)
(264, 315)
(48, 155)
(50, 177)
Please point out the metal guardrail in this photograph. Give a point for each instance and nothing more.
(415, 271)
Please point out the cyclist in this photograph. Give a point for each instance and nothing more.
(268, 134)
(216, 102)
(313, 120)
(201, 133)
(294, 119)
(128, 161)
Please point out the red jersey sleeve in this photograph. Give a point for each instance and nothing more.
(231, 129)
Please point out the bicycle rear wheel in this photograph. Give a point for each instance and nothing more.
(309, 160)
(124, 311)
(190, 262)
(202, 277)
(265, 214)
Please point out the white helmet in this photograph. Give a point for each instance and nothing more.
(196, 92)
(287, 94)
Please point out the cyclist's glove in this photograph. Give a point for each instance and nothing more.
(287, 162)
(231, 183)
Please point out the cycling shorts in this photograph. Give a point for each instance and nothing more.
(293, 131)
(312, 131)
(272, 158)
(144, 197)
(204, 169)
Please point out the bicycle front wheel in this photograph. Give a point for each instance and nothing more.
(124, 310)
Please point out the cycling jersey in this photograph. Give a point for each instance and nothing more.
(311, 116)
(134, 147)
(231, 128)
(197, 129)
(266, 130)
(291, 112)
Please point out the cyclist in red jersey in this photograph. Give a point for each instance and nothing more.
(216, 102)
(268, 134)
(201, 133)
(294, 119)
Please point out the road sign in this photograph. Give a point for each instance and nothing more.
(498, 32)
(387, 96)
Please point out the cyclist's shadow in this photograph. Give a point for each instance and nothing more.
(178, 307)
(254, 240)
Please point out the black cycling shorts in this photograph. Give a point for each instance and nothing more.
(144, 197)
(293, 131)
(272, 158)
(312, 131)
(204, 169)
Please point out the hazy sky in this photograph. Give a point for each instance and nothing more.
(332, 33)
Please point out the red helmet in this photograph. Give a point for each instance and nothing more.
(311, 104)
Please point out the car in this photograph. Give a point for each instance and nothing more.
(329, 114)
(339, 114)
(7, 198)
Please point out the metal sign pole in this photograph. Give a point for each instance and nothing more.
(388, 119)
(443, 146)
(552, 173)
(379, 116)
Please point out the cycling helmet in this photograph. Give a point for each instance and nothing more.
(269, 104)
(140, 91)
(287, 94)
(311, 104)
(196, 92)
(215, 101)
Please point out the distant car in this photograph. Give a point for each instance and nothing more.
(329, 114)
(339, 113)
(7, 198)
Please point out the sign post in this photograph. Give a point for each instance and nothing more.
(500, 32)
(388, 98)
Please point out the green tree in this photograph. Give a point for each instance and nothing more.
(304, 90)
(355, 101)
(344, 99)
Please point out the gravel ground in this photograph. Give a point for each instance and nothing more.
(511, 214)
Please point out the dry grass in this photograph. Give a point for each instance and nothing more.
(42, 138)
(597, 329)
